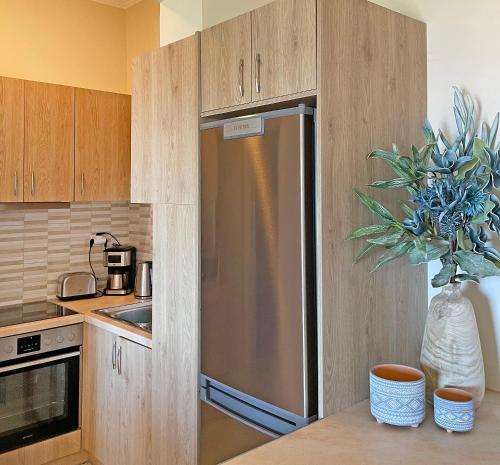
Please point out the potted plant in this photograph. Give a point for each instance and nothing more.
(452, 203)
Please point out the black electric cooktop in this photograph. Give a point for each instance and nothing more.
(27, 313)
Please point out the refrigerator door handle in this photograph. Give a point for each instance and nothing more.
(241, 419)
(259, 415)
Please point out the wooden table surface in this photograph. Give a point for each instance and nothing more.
(353, 437)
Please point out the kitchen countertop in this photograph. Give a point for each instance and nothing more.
(352, 437)
(84, 309)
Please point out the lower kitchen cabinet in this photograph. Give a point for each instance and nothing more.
(116, 410)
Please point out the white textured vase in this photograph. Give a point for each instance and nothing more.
(451, 351)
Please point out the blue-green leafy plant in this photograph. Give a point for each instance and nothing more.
(453, 201)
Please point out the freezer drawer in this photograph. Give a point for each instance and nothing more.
(223, 437)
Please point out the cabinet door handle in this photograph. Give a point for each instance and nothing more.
(119, 360)
(113, 355)
(240, 84)
(16, 184)
(82, 186)
(257, 73)
(32, 183)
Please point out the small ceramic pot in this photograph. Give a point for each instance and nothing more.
(454, 409)
(397, 395)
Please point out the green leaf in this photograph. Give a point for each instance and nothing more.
(392, 184)
(406, 209)
(476, 264)
(479, 152)
(445, 276)
(463, 170)
(483, 217)
(375, 207)
(466, 277)
(461, 239)
(368, 231)
(364, 252)
(384, 155)
(393, 254)
(389, 239)
(425, 251)
(415, 152)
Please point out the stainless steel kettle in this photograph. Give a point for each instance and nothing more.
(144, 281)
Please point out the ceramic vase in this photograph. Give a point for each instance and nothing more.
(451, 351)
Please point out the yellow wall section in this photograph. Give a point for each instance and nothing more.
(78, 43)
(73, 42)
(142, 26)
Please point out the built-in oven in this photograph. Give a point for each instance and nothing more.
(39, 385)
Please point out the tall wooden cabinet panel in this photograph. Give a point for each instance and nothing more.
(102, 146)
(116, 409)
(226, 64)
(49, 143)
(11, 139)
(165, 125)
(284, 48)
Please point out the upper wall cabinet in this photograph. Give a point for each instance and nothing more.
(165, 124)
(102, 146)
(11, 139)
(268, 53)
(226, 64)
(49, 143)
(284, 48)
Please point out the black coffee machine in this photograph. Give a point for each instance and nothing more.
(120, 261)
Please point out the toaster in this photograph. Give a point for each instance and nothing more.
(78, 285)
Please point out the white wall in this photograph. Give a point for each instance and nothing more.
(179, 19)
(216, 11)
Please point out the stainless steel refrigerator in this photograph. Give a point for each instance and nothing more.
(258, 316)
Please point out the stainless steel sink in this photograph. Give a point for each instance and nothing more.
(138, 315)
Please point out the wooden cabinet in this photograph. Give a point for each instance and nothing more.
(226, 64)
(165, 124)
(277, 46)
(11, 139)
(116, 413)
(102, 146)
(284, 48)
(49, 143)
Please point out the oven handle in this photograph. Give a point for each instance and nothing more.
(33, 363)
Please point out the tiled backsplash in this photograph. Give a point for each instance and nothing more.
(39, 243)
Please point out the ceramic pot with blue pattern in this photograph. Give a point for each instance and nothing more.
(454, 410)
(397, 395)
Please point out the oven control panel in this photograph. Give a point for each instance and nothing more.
(28, 344)
(40, 342)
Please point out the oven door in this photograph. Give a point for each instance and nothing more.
(39, 398)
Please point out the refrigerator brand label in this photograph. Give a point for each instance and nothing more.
(244, 128)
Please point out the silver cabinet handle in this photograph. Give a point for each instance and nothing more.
(82, 187)
(119, 360)
(240, 85)
(113, 355)
(257, 73)
(32, 183)
(16, 184)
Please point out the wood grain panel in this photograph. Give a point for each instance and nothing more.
(100, 406)
(373, 74)
(176, 334)
(135, 398)
(102, 146)
(45, 451)
(165, 124)
(11, 139)
(49, 143)
(226, 63)
(284, 35)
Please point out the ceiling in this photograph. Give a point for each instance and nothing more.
(118, 3)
